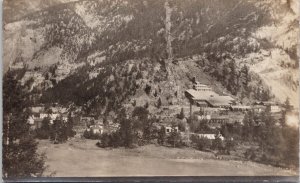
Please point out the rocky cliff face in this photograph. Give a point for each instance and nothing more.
(278, 65)
(89, 43)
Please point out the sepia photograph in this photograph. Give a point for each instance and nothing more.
(150, 88)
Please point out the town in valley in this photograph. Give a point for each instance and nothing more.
(118, 88)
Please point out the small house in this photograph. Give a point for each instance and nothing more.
(30, 120)
(219, 119)
(273, 107)
(87, 119)
(37, 109)
(64, 117)
(240, 108)
(43, 115)
(113, 127)
(35, 123)
(95, 129)
(211, 136)
(170, 129)
(170, 124)
(261, 106)
(258, 107)
(203, 117)
(38, 122)
(201, 87)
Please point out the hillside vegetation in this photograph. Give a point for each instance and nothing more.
(102, 55)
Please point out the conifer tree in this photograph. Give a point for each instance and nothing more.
(20, 157)
(159, 103)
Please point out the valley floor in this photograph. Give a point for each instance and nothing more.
(82, 158)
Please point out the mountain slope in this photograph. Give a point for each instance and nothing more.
(279, 65)
(100, 49)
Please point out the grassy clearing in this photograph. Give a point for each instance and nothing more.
(81, 158)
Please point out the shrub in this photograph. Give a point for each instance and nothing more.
(155, 93)
(90, 135)
(116, 140)
(175, 140)
(105, 141)
(229, 145)
(203, 143)
(86, 134)
(250, 154)
(110, 140)
(181, 126)
(159, 103)
(42, 134)
(217, 144)
(58, 131)
(139, 75)
(148, 89)
(44, 131)
(146, 105)
(161, 136)
(181, 114)
(134, 103)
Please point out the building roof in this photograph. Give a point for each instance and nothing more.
(270, 103)
(265, 103)
(258, 107)
(211, 136)
(210, 96)
(53, 116)
(200, 95)
(220, 101)
(202, 85)
(37, 109)
(199, 83)
(201, 103)
(208, 136)
(241, 107)
(96, 127)
(38, 120)
(219, 118)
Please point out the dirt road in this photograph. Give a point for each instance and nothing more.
(84, 159)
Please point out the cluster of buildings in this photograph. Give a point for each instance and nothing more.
(169, 129)
(91, 124)
(261, 106)
(204, 97)
(215, 108)
(98, 126)
(171, 125)
(39, 113)
(218, 109)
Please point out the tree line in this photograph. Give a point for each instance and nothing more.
(20, 156)
(58, 132)
(273, 141)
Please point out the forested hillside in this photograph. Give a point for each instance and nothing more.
(101, 54)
